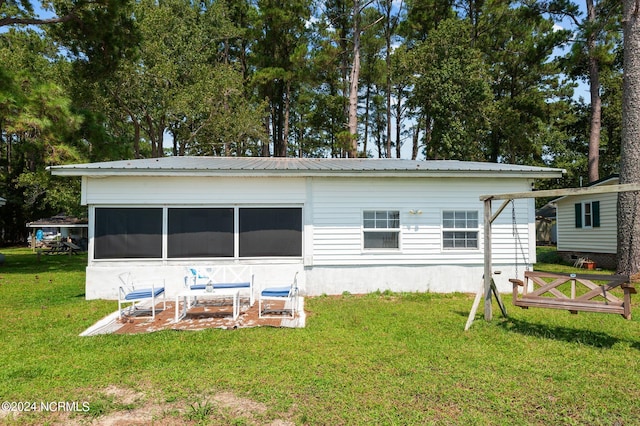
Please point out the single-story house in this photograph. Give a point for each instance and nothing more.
(60, 227)
(345, 225)
(587, 225)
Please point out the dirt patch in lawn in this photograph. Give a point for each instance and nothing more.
(127, 407)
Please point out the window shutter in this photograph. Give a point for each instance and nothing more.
(578, 207)
(595, 211)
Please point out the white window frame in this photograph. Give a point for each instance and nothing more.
(465, 229)
(585, 215)
(366, 229)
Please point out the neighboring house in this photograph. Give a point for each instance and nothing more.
(60, 227)
(587, 226)
(346, 225)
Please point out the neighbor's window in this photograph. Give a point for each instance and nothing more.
(122, 233)
(200, 232)
(588, 214)
(460, 229)
(270, 232)
(381, 229)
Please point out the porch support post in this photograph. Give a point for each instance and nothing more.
(487, 259)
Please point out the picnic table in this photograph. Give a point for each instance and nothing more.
(61, 247)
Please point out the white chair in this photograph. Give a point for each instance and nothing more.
(285, 295)
(134, 292)
(196, 278)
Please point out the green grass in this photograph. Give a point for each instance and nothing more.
(381, 358)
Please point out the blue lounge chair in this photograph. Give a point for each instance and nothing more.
(285, 295)
(134, 292)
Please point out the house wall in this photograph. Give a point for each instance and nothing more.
(583, 240)
(333, 260)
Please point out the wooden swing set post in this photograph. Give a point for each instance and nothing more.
(488, 283)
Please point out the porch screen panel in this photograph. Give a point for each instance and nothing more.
(270, 232)
(124, 233)
(206, 232)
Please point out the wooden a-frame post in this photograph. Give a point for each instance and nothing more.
(489, 218)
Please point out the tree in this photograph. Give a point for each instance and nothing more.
(372, 71)
(278, 51)
(628, 202)
(390, 26)
(354, 78)
(338, 20)
(451, 89)
(592, 53)
(97, 33)
(518, 46)
(38, 128)
(185, 84)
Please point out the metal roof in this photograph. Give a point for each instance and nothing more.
(60, 221)
(270, 166)
(608, 180)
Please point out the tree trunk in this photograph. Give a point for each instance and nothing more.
(387, 60)
(174, 138)
(628, 202)
(398, 126)
(367, 106)
(285, 137)
(353, 83)
(265, 144)
(388, 90)
(596, 103)
(416, 141)
(136, 138)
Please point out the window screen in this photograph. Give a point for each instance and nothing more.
(381, 229)
(270, 232)
(200, 232)
(122, 233)
(454, 235)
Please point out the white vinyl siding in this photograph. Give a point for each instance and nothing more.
(337, 219)
(601, 239)
(333, 211)
(191, 191)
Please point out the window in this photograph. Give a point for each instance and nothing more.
(460, 229)
(122, 233)
(197, 232)
(200, 232)
(270, 232)
(381, 229)
(587, 214)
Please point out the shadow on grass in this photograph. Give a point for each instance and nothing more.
(32, 263)
(571, 335)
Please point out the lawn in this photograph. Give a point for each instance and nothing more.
(380, 358)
